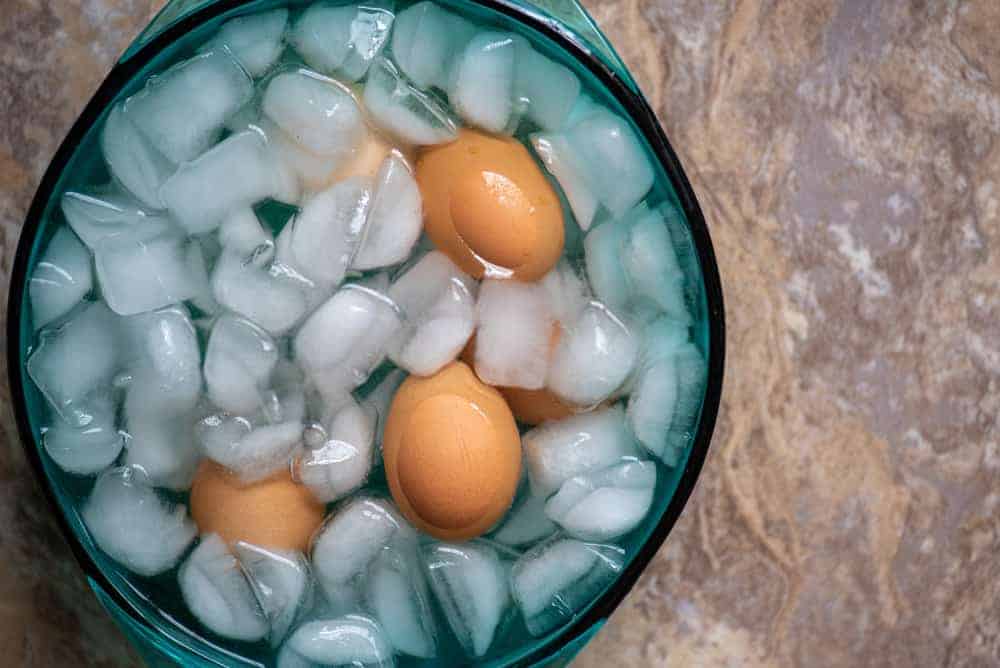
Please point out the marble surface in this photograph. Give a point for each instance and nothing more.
(846, 156)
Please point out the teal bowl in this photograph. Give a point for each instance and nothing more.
(564, 32)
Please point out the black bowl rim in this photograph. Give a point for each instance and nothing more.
(644, 117)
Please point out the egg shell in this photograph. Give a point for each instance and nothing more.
(489, 207)
(452, 453)
(274, 513)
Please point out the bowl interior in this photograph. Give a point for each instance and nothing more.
(153, 601)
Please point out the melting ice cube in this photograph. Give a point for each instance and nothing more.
(425, 41)
(395, 217)
(344, 39)
(251, 451)
(133, 160)
(604, 505)
(320, 114)
(256, 40)
(546, 89)
(97, 214)
(341, 463)
(282, 583)
(502, 359)
(482, 91)
(273, 300)
(405, 111)
(239, 361)
(61, 279)
(85, 449)
(351, 640)
(397, 595)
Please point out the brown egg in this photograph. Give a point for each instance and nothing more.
(488, 206)
(452, 453)
(275, 513)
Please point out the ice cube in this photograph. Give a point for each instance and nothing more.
(397, 597)
(654, 391)
(594, 357)
(133, 525)
(72, 361)
(161, 444)
(341, 463)
(483, 88)
(470, 583)
(567, 293)
(515, 361)
(307, 171)
(61, 279)
(218, 594)
(692, 374)
(604, 505)
(405, 111)
(395, 218)
(605, 247)
(651, 264)
(425, 41)
(132, 159)
(351, 640)
(325, 235)
(555, 581)
(526, 521)
(438, 306)
(545, 88)
(85, 449)
(274, 302)
(238, 364)
(319, 113)
(146, 268)
(342, 40)
(197, 261)
(580, 444)
(348, 542)
(101, 213)
(556, 154)
(236, 173)
(182, 111)
(380, 398)
(281, 582)
(241, 233)
(256, 40)
(345, 340)
(253, 452)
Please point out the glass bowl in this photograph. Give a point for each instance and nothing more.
(563, 31)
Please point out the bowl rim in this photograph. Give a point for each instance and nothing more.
(641, 114)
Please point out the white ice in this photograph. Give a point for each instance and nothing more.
(650, 262)
(236, 173)
(405, 111)
(71, 362)
(341, 463)
(182, 111)
(132, 159)
(394, 219)
(61, 279)
(520, 360)
(425, 41)
(554, 581)
(85, 449)
(282, 583)
(345, 340)
(242, 234)
(567, 291)
(470, 583)
(251, 451)
(351, 640)
(594, 357)
(306, 171)
(380, 399)
(256, 40)
(555, 153)
(692, 373)
(239, 360)
(525, 523)
(396, 593)
(557, 451)
(275, 302)
(342, 40)
(218, 594)
(101, 213)
(482, 90)
(133, 525)
(604, 505)
(438, 304)
(546, 89)
(605, 248)
(319, 113)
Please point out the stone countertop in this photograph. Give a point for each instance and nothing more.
(846, 156)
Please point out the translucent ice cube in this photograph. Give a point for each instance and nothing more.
(236, 173)
(470, 583)
(132, 159)
(651, 264)
(182, 111)
(567, 293)
(395, 217)
(341, 463)
(275, 302)
(61, 279)
(405, 111)
(253, 452)
(482, 91)
(397, 596)
(556, 154)
(556, 580)
(218, 594)
(526, 521)
(342, 40)
(345, 340)
(133, 525)
(282, 583)
(605, 246)
(584, 443)
(238, 364)
(72, 361)
(381, 397)
(604, 505)
(161, 443)
(241, 233)
(256, 40)
(351, 640)
(692, 374)
(101, 213)
(85, 449)
(319, 113)
(545, 88)
(425, 41)
(517, 361)
(308, 171)
(594, 357)
(438, 306)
